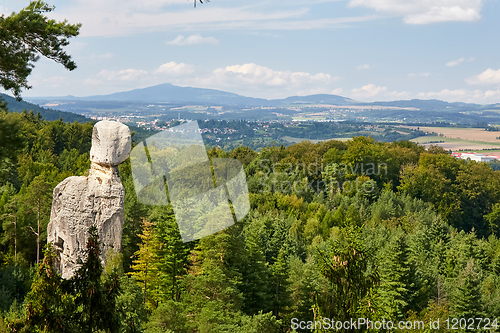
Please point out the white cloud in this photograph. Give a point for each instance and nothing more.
(247, 79)
(253, 74)
(363, 67)
(338, 91)
(192, 40)
(454, 63)
(489, 76)
(423, 74)
(122, 75)
(370, 90)
(445, 94)
(127, 17)
(463, 95)
(425, 11)
(259, 81)
(173, 68)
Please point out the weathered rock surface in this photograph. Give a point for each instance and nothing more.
(80, 202)
(111, 143)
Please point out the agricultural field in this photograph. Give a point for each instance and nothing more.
(468, 134)
(456, 144)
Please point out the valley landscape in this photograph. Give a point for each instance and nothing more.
(453, 126)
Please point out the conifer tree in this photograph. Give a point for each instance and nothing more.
(279, 272)
(8, 213)
(49, 305)
(95, 300)
(172, 256)
(395, 275)
(256, 276)
(467, 300)
(351, 283)
(213, 299)
(144, 267)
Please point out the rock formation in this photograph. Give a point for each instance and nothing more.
(80, 202)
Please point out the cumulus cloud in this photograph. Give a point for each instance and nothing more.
(370, 90)
(489, 76)
(122, 75)
(463, 95)
(363, 67)
(250, 74)
(247, 79)
(338, 91)
(445, 94)
(259, 81)
(192, 40)
(173, 68)
(425, 12)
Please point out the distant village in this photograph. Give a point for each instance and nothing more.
(476, 157)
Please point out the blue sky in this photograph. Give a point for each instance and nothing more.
(363, 49)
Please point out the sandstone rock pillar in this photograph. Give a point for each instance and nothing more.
(81, 202)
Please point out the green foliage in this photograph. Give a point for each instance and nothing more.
(132, 311)
(95, 300)
(463, 193)
(145, 266)
(16, 282)
(213, 298)
(351, 278)
(414, 249)
(14, 105)
(170, 314)
(172, 257)
(396, 278)
(88, 302)
(49, 307)
(467, 302)
(35, 155)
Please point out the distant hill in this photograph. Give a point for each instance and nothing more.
(176, 95)
(428, 105)
(169, 93)
(48, 114)
(314, 99)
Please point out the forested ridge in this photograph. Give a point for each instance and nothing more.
(420, 243)
(47, 114)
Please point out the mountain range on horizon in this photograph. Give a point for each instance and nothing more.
(169, 93)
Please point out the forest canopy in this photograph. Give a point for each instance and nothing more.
(420, 244)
